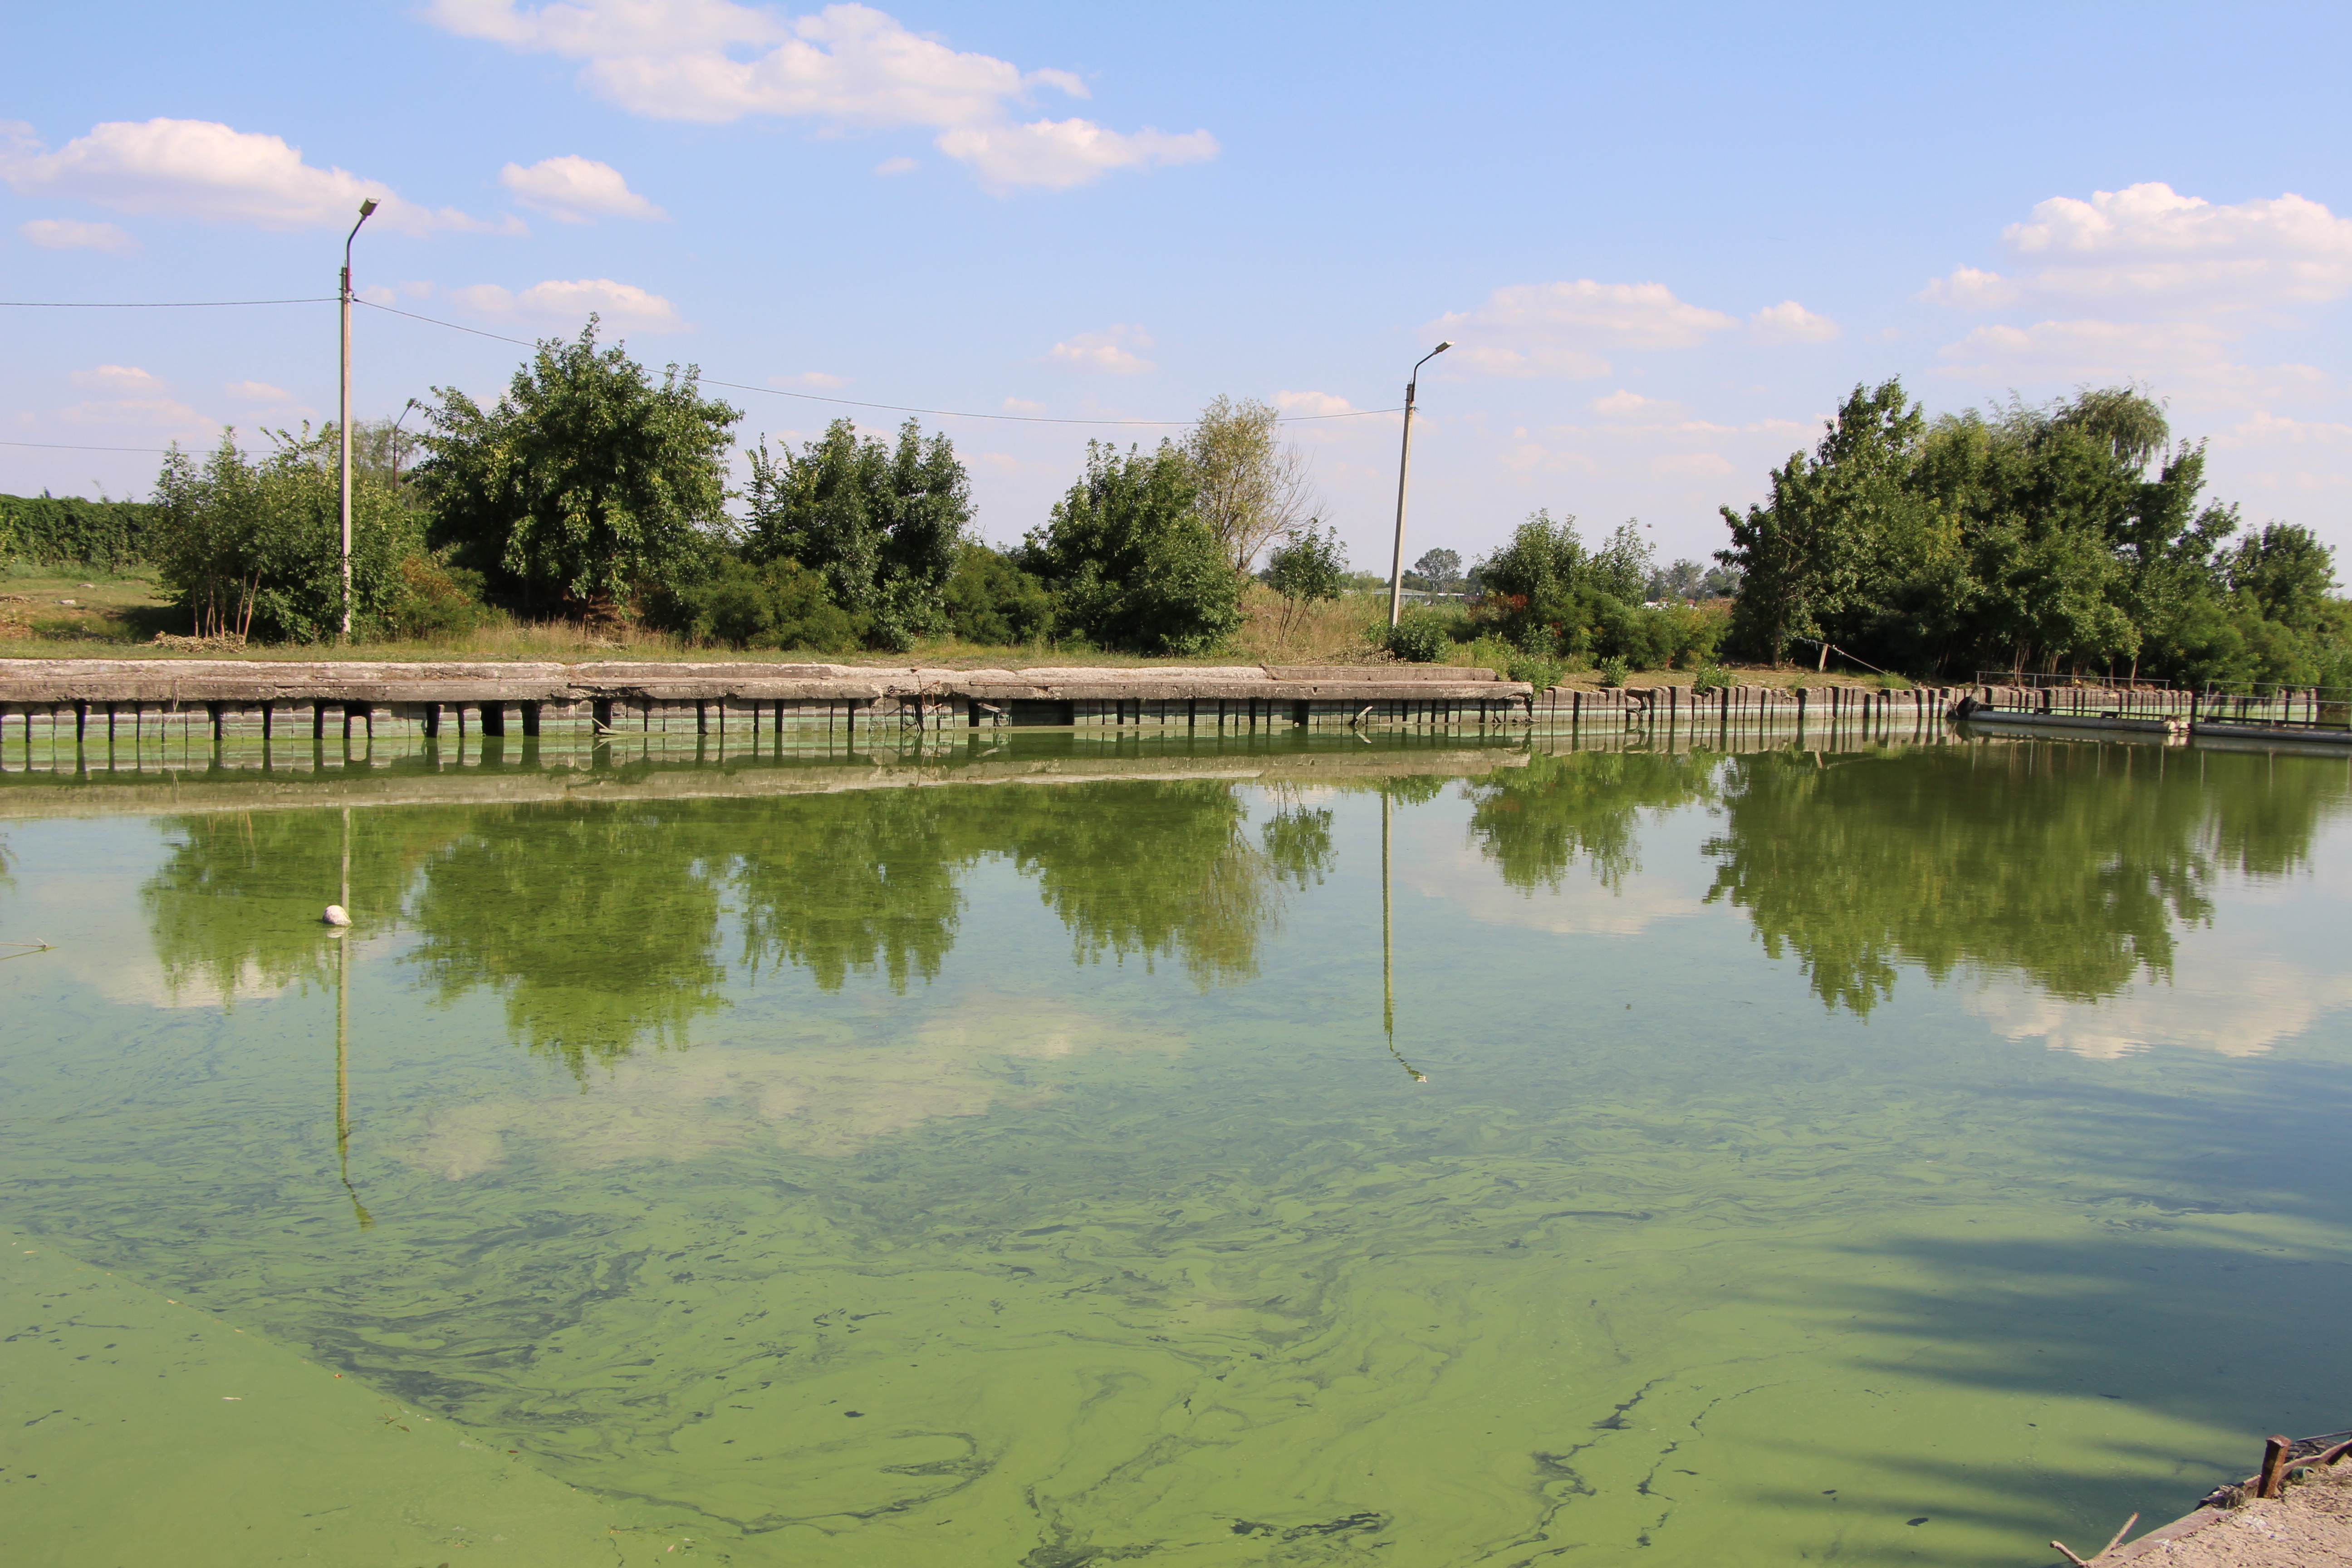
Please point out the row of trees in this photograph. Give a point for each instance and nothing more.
(595, 492)
(2071, 536)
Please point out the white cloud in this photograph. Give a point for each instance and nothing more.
(847, 67)
(898, 165)
(2224, 995)
(1023, 405)
(122, 378)
(1059, 153)
(256, 392)
(817, 380)
(393, 293)
(66, 234)
(2149, 246)
(1312, 404)
(1790, 323)
(1107, 352)
(1623, 404)
(620, 306)
(1557, 329)
(201, 169)
(573, 189)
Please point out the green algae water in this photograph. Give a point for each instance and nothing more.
(1361, 1154)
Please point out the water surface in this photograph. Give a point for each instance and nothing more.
(1886, 1152)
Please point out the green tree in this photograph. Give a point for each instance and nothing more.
(254, 549)
(883, 524)
(990, 599)
(1440, 571)
(587, 485)
(2288, 575)
(1308, 567)
(1129, 559)
(1805, 556)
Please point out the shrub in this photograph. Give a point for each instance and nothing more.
(1892, 683)
(1419, 638)
(777, 605)
(991, 600)
(434, 600)
(1538, 671)
(1710, 678)
(1613, 671)
(1129, 559)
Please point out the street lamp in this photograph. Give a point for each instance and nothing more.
(344, 297)
(1405, 467)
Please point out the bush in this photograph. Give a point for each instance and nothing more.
(1419, 638)
(435, 601)
(1892, 683)
(1131, 561)
(1538, 671)
(1710, 678)
(777, 605)
(99, 535)
(1613, 671)
(991, 600)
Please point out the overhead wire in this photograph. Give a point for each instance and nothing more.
(526, 342)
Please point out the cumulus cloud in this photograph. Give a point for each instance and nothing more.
(846, 66)
(620, 306)
(1790, 323)
(118, 378)
(66, 234)
(1558, 329)
(203, 170)
(573, 189)
(2147, 246)
(1312, 404)
(2195, 356)
(1110, 351)
(1624, 404)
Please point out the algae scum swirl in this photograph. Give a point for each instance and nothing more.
(1888, 1154)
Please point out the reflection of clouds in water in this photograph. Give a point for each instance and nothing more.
(2224, 997)
(1581, 906)
(820, 1099)
(81, 915)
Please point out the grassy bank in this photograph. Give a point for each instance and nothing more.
(54, 612)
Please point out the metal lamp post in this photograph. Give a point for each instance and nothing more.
(1404, 467)
(343, 294)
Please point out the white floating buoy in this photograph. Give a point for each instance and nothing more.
(336, 915)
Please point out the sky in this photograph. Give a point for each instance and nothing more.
(1666, 240)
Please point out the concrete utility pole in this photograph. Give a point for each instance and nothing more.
(1404, 467)
(343, 294)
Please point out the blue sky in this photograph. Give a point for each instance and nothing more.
(1668, 239)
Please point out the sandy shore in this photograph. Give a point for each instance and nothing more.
(2310, 1527)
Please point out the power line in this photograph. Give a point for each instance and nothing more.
(886, 408)
(526, 342)
(150, 304)
(61, 447)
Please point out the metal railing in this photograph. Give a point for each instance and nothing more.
(2275, 706)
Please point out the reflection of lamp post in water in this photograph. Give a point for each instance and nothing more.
(343, 1037)
(1388, 947)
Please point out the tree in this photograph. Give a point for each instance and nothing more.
(2288, 573)
(882, 522)
(1249, 488)
(256, 548)
(1440, 569)
(1683, 580)
(1130, 561)
(1308, 567)
(587, 485)
(1803, 556)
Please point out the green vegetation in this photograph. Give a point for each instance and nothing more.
(1551, 596)
(102, 535)
(2064, 538)
(1309, 567)
(1131, 560)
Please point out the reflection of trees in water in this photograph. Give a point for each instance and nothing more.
(853, 883)
(1536, 822)
(599, 925)
(235, 907)
(1151, 870)
(2069, 865)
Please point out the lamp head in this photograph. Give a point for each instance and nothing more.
(1442, 347)
(367, 207)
